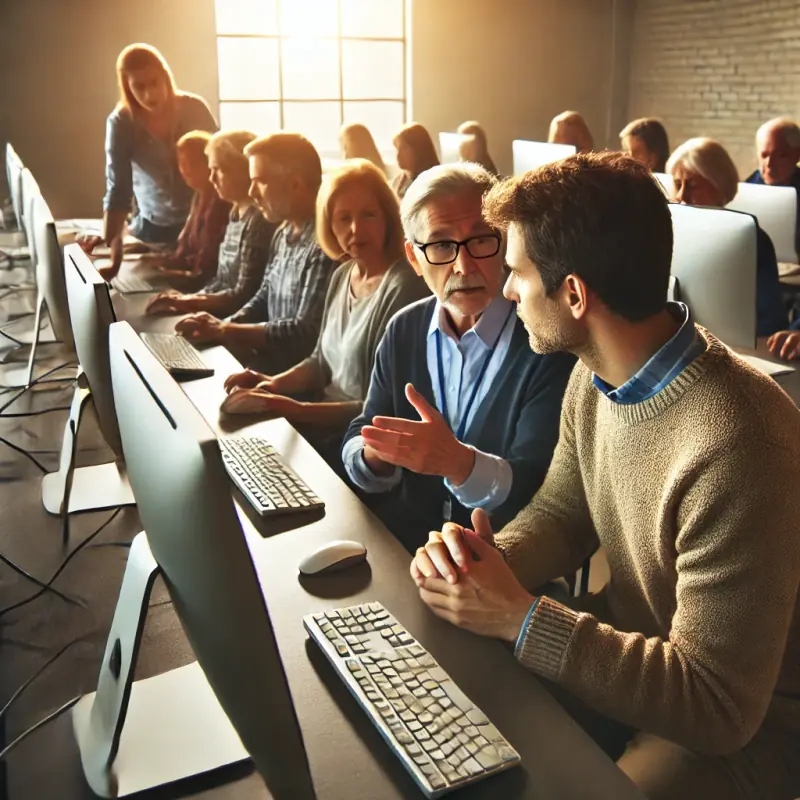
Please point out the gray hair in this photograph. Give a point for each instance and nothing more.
(440, 181)
(789, 129)
(711, 160)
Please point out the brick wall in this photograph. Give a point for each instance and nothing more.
(716, 68)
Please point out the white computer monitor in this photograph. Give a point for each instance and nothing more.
(667, 184)
(775, 208)
(449, 144)
(14, 167)
(30, 190)
(714, 261)
(532, 155)
(137, 735)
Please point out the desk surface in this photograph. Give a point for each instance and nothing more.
(347, 756)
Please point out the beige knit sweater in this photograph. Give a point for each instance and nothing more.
(694, 496)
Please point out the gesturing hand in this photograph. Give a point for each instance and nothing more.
(201, 327)
(487, 600)
(428, 446)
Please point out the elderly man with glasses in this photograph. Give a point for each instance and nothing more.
(460, 414)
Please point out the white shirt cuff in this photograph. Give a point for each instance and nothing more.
(487, 486)
(361, 473)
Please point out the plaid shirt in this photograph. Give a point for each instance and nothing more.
(292, 294)
(243, 257)
(664, 366)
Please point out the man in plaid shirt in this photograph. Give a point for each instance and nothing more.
(280, 325)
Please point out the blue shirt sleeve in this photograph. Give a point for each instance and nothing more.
(119, 172)
(488, 484)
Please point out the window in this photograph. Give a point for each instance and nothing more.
(312, 65)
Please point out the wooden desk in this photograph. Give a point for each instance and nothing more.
(348, 758)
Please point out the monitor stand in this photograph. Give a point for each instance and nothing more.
(92, 488)
(138, 735)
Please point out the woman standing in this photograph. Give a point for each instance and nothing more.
(141, 160)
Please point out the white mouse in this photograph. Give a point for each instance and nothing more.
(332, 557)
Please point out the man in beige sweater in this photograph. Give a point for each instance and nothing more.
(682, 462)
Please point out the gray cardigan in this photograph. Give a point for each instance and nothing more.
(400, 287)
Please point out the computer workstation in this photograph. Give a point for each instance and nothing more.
(151, 407)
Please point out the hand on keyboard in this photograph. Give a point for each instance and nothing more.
(164, 303)
(201, 328)
(486, 598)
(247, 379)
(251, 401)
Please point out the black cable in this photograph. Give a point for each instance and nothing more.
(23, 452)
(41, 723)
(52, 660)
(11, 338)
(23, 389)
(35, 413)
(34, 579)
(64, 563)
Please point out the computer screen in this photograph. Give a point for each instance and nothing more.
(30, 190)
(714, 260)
(775, 208)
(14, 167)
(92, 313)
(50, 280)
(449, 144)
(184, 501)
(532, 155)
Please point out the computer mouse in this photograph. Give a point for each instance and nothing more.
(243, 401)
(332, 557)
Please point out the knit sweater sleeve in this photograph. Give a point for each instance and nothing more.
(708, 684)
(553, 535)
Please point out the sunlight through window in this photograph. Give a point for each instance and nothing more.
(311, 65)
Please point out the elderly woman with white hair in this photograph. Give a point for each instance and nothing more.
(704, 175)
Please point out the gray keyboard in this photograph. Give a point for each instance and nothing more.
(176, 354)
(269, 485)
(132, 284)
(441, 737)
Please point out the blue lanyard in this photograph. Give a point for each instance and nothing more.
(442, 392)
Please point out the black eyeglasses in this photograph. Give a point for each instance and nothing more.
(446, 252)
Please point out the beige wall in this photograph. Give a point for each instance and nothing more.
(57, 81)
(514, 64)
(717, 68)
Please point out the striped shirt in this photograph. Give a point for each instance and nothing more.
(664, 366)
(243, 257)
(292, 294)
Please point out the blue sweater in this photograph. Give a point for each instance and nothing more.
(518, 420)
(771, 315)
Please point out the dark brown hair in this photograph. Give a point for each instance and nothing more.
(654, 136)
(599, 216)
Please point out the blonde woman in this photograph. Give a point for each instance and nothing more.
(357, 142)
(141, 161)
(475, 146)
(358, 221)
(415, 154)
(569, 127)
(245, 245)
(704, 175)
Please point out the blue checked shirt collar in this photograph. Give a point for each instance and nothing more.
(663, 367)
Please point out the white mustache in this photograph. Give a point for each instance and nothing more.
(455, 284)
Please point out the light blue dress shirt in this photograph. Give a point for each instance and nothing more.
(490, 481)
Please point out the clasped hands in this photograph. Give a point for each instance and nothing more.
(464, 579)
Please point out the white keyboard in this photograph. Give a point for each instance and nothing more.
(441, 737)
(132, 284)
